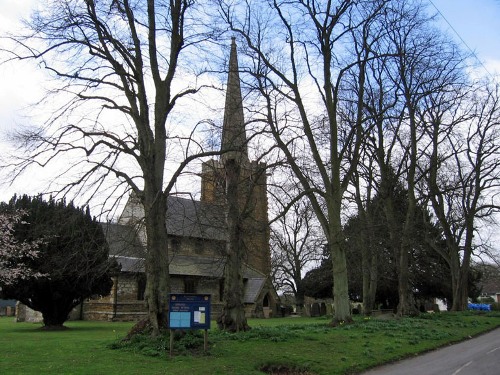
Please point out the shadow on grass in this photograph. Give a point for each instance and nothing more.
(284, 369)
(27, 327)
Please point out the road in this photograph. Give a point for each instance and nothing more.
(477, 356)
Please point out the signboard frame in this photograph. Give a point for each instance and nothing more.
(188, 311)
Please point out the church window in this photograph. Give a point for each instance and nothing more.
(141, 286)
(265, 302)
(221, 290)
(198, 246)
(189, 286)
(175, 243)
(220, 187)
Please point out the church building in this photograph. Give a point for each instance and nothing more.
(197, 232)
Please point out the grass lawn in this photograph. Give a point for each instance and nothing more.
(301, 343)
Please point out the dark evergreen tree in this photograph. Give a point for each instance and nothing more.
(429, 274)
(318, 282)
(73, 257)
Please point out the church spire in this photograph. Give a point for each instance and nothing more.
(234, 140)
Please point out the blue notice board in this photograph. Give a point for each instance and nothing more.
(189, 311)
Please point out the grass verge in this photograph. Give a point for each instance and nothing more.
(304, 345)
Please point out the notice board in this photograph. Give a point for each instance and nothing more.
(189, 311)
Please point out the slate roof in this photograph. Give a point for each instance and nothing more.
(129, 264)
(185, 218)
(253, 287)
(188, 266)
(7, 302)
(123, 240)
(190, 218)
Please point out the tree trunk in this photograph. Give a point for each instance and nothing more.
(341, 304)
(55, 314)
(406, 304)
(369, 265)
(156, 263)
(461, 293)
(368, 260)
(386, 191)
(299, 299)
(373, 282)
(340, 286)
(233, 317)
(455, 274)
(461, 289)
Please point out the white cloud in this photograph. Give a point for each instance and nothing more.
(493, 68)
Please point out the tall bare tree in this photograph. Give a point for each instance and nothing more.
(295, 245)
(464, 174)
(366, 236)
(418, 63)
(120, 69)
(301, 57)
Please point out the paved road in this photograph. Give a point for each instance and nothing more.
(477, 356)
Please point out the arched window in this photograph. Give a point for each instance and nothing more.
(141, 286)
(265, 301)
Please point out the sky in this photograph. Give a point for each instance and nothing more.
(475, 24)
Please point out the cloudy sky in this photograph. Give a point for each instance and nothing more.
(474, 23)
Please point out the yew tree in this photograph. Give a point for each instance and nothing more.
(72, 261)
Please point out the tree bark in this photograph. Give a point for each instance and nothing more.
(369, 260)
(341, 301)
(156, 263)
(233, 317)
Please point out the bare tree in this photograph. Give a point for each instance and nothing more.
(300, 57)
(366, 236)
(120, 69)
(295, 245)
(418, 63)
(464, 174)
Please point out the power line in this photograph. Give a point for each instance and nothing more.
(461, 39)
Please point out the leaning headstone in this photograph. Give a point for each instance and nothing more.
(25, 314)
(307, 309)
(329, 309)
(322, 309)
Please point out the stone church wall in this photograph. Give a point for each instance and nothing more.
(126, 307)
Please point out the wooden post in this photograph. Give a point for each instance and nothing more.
(205, 341)
(171, 342)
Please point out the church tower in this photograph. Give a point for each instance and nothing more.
(253, 181)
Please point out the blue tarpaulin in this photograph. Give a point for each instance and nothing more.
(479, 306)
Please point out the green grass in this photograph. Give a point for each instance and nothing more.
(301, 343)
